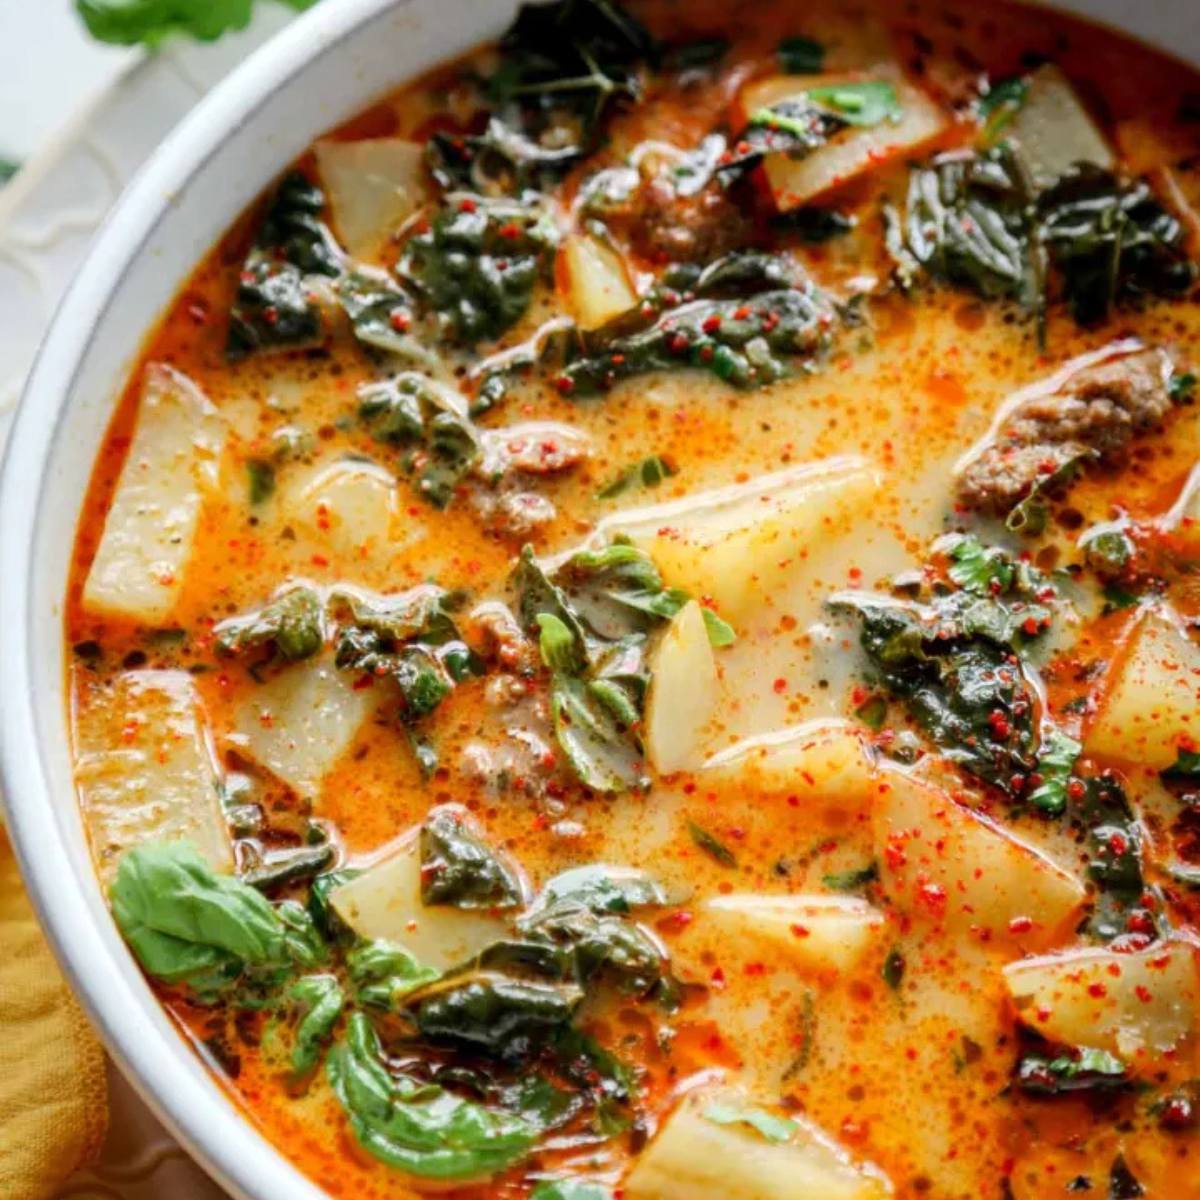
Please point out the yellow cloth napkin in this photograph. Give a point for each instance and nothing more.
(53, 1096)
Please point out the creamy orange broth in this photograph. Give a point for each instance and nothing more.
(915, 1078)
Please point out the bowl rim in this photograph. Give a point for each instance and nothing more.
(230, 1147)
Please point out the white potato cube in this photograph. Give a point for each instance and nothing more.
(1135, 1005)
(947, 864)
(684, 690)
(1152, 696)
(823, 760)
(385, 902)
(699, 1154)
(851, 152)
(345, 508)
(598, 283)
(146, 771)
(374, 185)
(301, 721)
(1054, 130)
(813, 934)
(173, 464)
(738, 544)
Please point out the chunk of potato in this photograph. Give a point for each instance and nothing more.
(1135, 1005)
(146, 771)
(346, 507)
(684, 691)
(1054, 130)
(820, 759)
(942, 862)
(738, 544)
(598, 283)
(301, 721)
(853, 151)
(374, 185)
(385, 902)
(807, 933)
(699, 1154)
(1152, 696)
(173, 464)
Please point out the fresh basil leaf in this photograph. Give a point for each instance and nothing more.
(183, 920)
(418, 1127)
(127, 22)
(384, 973)
(865, 103)
(319, 1000)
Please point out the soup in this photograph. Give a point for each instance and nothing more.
(633, 633)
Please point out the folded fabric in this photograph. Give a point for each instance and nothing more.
(53, 1096)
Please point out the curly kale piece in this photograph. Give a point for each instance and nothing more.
(743, 327)
(1111, 242)
(292, 625)
(478, 263)
(274, 306)
(409, 637)
(459, 868)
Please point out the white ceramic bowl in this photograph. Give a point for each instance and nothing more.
(323, 68)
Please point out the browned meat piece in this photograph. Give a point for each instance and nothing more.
(532, 447)
(1093, 413)
(665, 226)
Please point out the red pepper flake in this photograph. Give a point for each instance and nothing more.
(1020, 925)
(1097, 990)
(740, 314)
(779, 686)
(565, 385)
(467, 205)
(800, 931)
(399, 320)
(511, 230)
(1076, 789)
(933, 896)
(1143, 993)
(678, 343)
(712, 324)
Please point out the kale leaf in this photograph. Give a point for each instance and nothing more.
(409, 637)
(292, 625)
(459, 868)
(564, 66)
(477, 264)
(1111, 242)
(274, 306)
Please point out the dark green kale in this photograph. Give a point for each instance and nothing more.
(564, 66)
(501, 161)
(799, 55)
(278, 868)
(751, 312)
(381, 315)
(1112, 837)
(409, 637)
(953, 661)
(410, 410)
(969, 221)
(274, 305)
(492, 1014)
(459, 868)
(1111, 242)
(478, 263)
(711, 845)
(292, 625)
